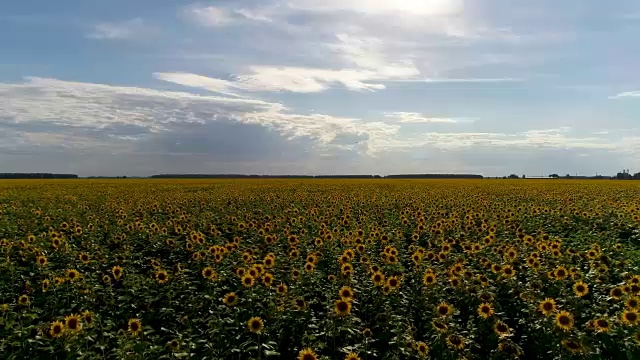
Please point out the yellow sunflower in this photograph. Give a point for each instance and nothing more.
(346, 293)
(56, 329)
(602, 325)
(117, 272)
(580, 288)
(444, 309)
(23, 300)
(422, 348)
(547, 306)
(455, 341)
(73, 323)
(352, 356)
(630, 317)
(564, 320)
(248, 281)
(501, 329)
(342, 307)
(378, 278)
(135, 326)
(162, 276)
(255, 325)
(485, 310)
(72, 275)
(230, 299)
(307, 354)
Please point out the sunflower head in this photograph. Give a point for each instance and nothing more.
(162, 276)
(23, 300)
(342, 307)
(255, 325)
(352, 356)
(230, 299)
(56, 329)
(573, 346)
(455, 341)
(564, 320)
(602, 325)
(117, 272)
(580, 289)
(547, 306)
(630, 317)
(72, 275)
(87, 316)
(248, 281)
(73, 323)
(422, 348)
(485, 310)
(134, 326)
(444, 309)
(346, 292)
(501, 329)
(307, 354)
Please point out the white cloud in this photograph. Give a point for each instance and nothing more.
(210, 15)
(626, 94)
(120, 30)
(418, 118)
(192, 80)
(382, 7)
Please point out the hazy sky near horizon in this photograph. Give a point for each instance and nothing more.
(492, 87)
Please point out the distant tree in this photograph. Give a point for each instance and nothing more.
(568, 176)
(636, 176)
(624, 175)
(524, 176)
(554, 176)
(513, 176)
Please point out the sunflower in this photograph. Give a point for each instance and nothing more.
(72, 275)
(393, 282)
(632, 302)
(73, 323)
(422, 348)
(561, 273)
(601, 325)
(444, 309)
(352, 356)
(282, 289)
(308, 267)
(564, 320)
(267, 279)
(87, 316)
(439, 325)
(580, 288)
(429, 278)
(485, 310)
(616, 293)
(230, 299)
(45, 285)
(134, 326)
(248, 281)
(56, 329)
(23, 300)
(508, 271)
(117, 272)
(572, 345)
(57, 281)
(41, 260)
(378, 278)
(630, 317)
(209, 274)
(106, 279)
(455, 341)
(84, 258)
(501, 329)
(162, 276)
(342, 307)
(307, 354)
(547, 306)
(300, 304)
(346, 293)
(255, 325)
(174, 344)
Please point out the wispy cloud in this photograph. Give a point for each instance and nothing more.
(120, 30)
(418, 118)
(626, 94)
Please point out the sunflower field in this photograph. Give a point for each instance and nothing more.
(319, 269)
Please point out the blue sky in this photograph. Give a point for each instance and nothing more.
(319, 87)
